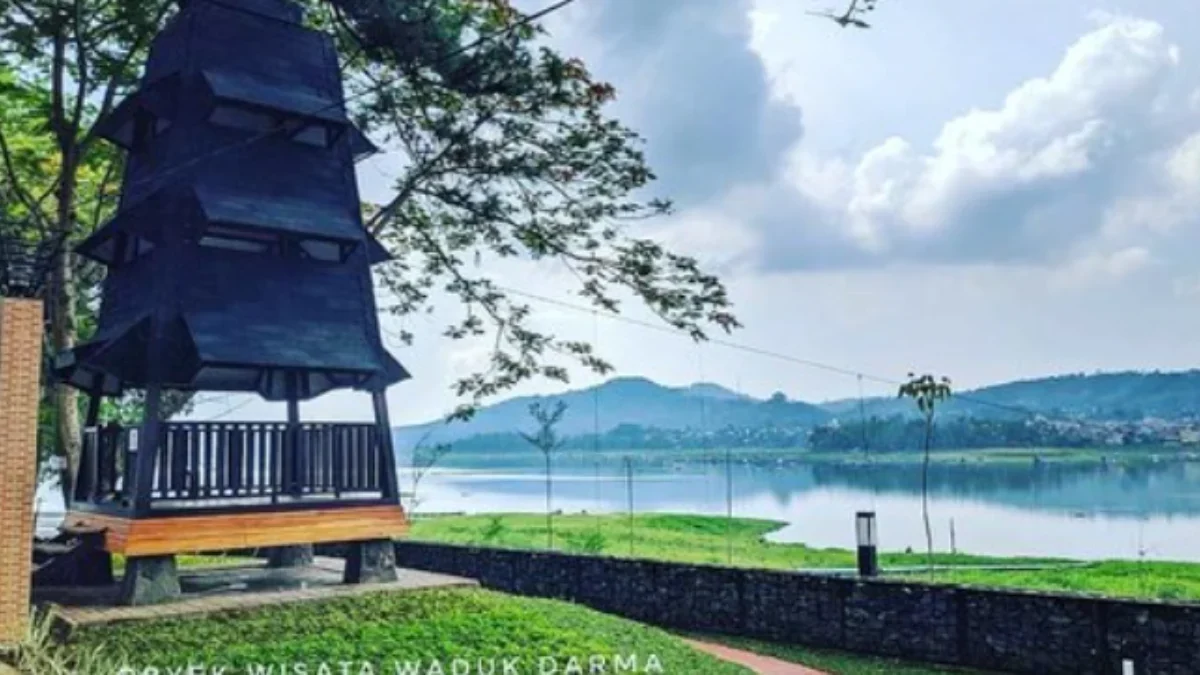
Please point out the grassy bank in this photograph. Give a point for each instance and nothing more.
(1118, 578)
(517, 460)
(710, 539)
(1116, 456)
(386, 629)
(682, 538)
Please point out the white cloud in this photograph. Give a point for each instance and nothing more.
(1183, 166)
(1028, 180)
(1102, 267)
(1169, 201)
(689, 81)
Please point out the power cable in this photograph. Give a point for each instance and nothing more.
(759, 351)
(231, 409)
(596, 429)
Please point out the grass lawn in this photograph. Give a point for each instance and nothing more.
(386, 628)
(682, 538)
(705, 539)
(195, 561)
(1158, 580)
(834, 662)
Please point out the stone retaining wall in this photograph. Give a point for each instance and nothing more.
(1003, 630)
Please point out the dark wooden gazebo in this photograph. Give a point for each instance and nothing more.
(238, 262)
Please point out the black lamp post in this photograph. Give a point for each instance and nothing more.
(868, 542)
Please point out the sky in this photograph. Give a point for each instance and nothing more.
(990, 190)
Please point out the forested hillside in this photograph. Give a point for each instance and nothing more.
(636, 413)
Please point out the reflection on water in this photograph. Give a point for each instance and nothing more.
(1077, 511)
(1071, 510)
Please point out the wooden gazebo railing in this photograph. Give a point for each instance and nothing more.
(232, 465)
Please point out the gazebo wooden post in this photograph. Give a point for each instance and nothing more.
(374, 561)
(93, 410)
(298, 555)
(146, 449)
(294, 452)
(388, 480)
(153, 578)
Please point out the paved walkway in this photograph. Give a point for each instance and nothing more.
(763, 665)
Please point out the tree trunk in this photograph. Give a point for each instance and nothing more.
(67, 437)
(925, 495)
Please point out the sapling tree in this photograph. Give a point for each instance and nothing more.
(926, 391)
(424, 458)
(547, 441)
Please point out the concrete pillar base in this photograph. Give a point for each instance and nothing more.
(300, 555)
(95, 567)
(370, 562)
(150, 580)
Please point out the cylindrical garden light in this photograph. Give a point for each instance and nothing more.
(868, 543)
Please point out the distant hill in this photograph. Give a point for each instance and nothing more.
(1098, 396)
(639, 402)
(627, 401)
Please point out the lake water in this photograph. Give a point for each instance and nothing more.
(1085, 512)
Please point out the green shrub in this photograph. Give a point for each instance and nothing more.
(494, 530)
(42, 654)
(592, 542)
(384, 628)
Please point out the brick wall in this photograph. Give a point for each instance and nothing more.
(20, 368)
(995, 630)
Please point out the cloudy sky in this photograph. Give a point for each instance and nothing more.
(987, 190)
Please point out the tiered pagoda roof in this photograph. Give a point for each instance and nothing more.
(238, 260)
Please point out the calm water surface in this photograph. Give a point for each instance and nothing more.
(1087, 512)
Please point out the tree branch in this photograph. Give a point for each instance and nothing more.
(411, 181)
(57, 70)
(82, 74)
(35, 211)
(102, 193)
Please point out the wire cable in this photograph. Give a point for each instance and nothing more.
(231, 409)
(759, 351)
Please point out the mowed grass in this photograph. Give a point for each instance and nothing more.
(197, 561)
(710, 539)
(386, 629)
(1117, 578)
(680, 538)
